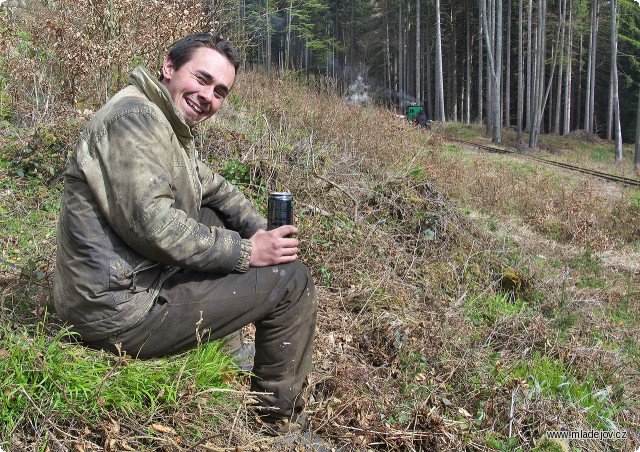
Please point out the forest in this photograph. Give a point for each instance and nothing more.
(541, 67)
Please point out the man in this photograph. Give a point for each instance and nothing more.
(156, 252)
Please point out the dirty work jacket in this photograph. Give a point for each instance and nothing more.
(132, 192)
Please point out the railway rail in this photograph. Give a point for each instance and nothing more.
(599, 174)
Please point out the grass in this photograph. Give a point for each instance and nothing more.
(578, 148)
(488, 310)
(559, 205)
(547, 377)
(48, 377)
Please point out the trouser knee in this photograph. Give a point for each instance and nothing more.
(304, 291)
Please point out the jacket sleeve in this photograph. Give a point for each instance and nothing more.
(130, 171)
(230, 204)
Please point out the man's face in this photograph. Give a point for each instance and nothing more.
(200, 86)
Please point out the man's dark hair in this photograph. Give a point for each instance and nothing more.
(182, 50)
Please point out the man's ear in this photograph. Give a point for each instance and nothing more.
(167, 69)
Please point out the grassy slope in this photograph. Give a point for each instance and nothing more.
(467, 300)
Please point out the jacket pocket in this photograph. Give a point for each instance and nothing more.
(144, 278)
(130, 274)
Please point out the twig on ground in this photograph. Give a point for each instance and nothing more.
(233, 391)
(207, 438)
(355, 201)
(46, 418)
(316, 209)
(235, 421)
(511, 412)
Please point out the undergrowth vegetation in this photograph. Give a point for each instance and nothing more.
(467, 301)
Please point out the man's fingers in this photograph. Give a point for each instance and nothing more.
(287, 259)
(289, 251)
(285, 230)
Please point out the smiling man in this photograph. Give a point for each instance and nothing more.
(199, 85)
(157, 253)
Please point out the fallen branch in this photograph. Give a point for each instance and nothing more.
(343, 190)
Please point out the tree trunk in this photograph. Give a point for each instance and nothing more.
(578, 114)
(489, 27)
(389, 66)
(529, 68)
(594, 49)
(467, 93)
(538, 79)
(401, 90)
(268, 51)
(440, 112)
(637, 153)
(494, 56)
(452, 76)
(542, 94)
(609, 135)
(587, 102)
(558, 113)
(418, 53)
(567, 81)
(287, 56)
(480, 68)
(428, 71)
(507, 77)
(520, 105)
(407, 83)
(614, 81)
(591, 70)
(497, 92)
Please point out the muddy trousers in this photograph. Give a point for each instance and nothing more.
(281, 302)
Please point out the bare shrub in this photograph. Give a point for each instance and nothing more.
(79, 54)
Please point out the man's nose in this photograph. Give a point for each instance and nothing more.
(207, 94)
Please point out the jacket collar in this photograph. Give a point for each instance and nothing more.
(157, 93)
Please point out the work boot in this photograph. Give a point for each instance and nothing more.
(297, 424)
(303, 441)
(244, 356)
(293, 436)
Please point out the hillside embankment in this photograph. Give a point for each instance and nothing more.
(466, 300)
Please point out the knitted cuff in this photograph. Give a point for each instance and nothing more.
(245, 256)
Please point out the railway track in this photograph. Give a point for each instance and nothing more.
(599, 174)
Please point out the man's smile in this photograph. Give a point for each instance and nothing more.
(195, 107)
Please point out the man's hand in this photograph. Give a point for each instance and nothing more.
(272, 247)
